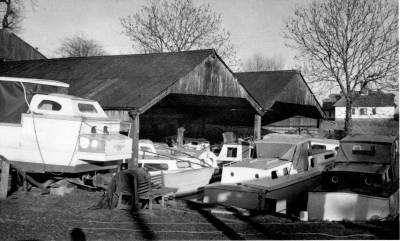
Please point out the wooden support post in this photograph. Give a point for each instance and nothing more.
(180, 136)
(134, 134)
(257, 127)
(5, 171)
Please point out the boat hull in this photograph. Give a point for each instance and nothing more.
(288, 195)
(187, 181)
(336, 206)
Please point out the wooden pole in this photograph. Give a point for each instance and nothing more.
(180, 136)
(257, 127)
(134, 134)
(5, 171)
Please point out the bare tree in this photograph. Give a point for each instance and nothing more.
(178, 25)
(80, 46)
(352, 43)
(258, 62)
(11, 14)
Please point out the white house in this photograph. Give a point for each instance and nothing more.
(374, 105)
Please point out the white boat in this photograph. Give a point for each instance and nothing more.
(185, 172)
(285, 169)
(58, 133)
(362, 183)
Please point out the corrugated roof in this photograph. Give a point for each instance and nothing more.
(14, 48)
(123, 81)
(374, 99)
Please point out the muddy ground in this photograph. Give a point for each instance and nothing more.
(33, 216)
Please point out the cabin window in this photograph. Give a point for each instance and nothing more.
(232, 152)
(373, 111)
(156, 166)
(329, 156)
(312, 162)
(318, 147)
(274, 175)
(353, 111)
(86, 108)
(363, 111)
(285, 171)
(253, 153)
(49, 105)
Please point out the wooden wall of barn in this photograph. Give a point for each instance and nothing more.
(297, 121)
(297, 92)
(212, 78)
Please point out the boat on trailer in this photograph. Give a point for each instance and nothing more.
(362, 183)
(185, 172)
(278, 180)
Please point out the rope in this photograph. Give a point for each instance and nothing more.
(37, 139)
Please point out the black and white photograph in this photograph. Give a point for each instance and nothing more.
(199, 120)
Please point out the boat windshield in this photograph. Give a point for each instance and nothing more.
(273, 150)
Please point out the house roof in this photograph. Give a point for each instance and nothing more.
(123, 81)
(14, 48)
(374, 99)
(288, 86)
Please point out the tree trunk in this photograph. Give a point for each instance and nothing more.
(348, 122)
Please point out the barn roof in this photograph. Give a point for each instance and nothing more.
(122, 81)
(140, 81)
(373, 99)
(285, 86)
(14, 48)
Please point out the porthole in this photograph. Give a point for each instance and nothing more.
(232, 174)
(335, 179)
(257, 176)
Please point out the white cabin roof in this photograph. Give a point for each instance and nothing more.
(34, 81)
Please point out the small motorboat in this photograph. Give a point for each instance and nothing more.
(186, 172)
(286, 168)
(362, 183)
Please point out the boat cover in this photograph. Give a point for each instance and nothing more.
(12, 101)
(371, 149)
(287, 147)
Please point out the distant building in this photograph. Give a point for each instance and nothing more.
(373, 105)
(13, 47)
(328, 105)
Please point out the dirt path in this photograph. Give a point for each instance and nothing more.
(31, 216)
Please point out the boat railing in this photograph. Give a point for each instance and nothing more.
(202, 164)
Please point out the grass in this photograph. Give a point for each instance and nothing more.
(370, 127)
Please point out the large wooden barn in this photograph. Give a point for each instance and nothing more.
(158, 93)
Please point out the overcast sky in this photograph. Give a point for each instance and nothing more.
(255, 25)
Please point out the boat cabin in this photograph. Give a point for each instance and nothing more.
(364, 162)
(277, 156)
